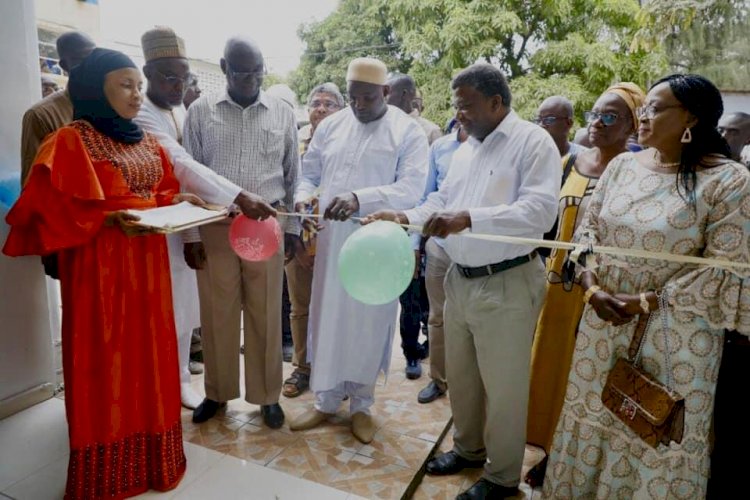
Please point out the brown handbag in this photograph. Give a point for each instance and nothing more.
(654, 411)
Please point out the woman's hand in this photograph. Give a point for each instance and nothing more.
(189, 197)
(632, 303)
(126, 221)
(611, 309)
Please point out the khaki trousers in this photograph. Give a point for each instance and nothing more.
(489, 326)
(435, 271)
(299, 283)
(230, 288)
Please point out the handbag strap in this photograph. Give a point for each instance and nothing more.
(634, 350)
(642, 328)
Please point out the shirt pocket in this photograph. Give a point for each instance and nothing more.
(273, 145)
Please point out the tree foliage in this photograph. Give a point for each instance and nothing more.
(574, 48)
(546, 47)
(709, 37)
(357, 28)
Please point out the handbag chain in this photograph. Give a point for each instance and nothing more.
(663, 313)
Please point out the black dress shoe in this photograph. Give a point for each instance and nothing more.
(273, 415)
(207, 409)
(487, 490)
(430, 393)
(451, 463)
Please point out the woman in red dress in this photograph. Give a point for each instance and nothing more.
(122, 392)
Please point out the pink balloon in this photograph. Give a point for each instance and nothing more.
(254, 240)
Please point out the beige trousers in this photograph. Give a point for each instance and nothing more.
(299, 283)
(489, 326)
(230, 288)
(435, 271)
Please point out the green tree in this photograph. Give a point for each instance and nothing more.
(571, 47)
(708, 37)
(357, 28)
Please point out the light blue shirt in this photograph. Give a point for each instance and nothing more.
(441, 154)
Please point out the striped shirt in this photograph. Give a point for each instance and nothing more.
(253, 147)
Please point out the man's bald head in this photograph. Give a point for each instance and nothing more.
(72, 48)
(555, 115)
(735, 129)
(244, 68)
(403, 91)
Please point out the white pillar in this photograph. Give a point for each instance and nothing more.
(26, 352)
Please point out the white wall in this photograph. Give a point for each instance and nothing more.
(26, 352)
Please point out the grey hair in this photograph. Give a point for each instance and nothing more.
(329, 88)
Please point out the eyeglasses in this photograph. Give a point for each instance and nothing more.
(548, 120)
(329, 105)
(174, 79)
(607, 119)
(244, 75)
(649, 112)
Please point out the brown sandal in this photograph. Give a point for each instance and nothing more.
(296, 384)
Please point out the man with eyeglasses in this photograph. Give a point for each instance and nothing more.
(324, 100)
(555, 115)
(249, 137)
(162, 114)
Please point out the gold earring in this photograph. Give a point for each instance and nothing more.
(687, 137)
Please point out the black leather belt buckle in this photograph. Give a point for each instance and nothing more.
(490, 269)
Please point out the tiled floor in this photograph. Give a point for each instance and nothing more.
(236, 456)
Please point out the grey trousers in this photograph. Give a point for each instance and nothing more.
(489, 327)
(435, 271)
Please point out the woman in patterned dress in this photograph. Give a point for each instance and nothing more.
(681, 195)
(611, 122)
(122, 392)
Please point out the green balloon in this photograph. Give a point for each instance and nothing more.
(376, 263)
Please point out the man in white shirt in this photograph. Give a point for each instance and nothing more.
(162, 114)
(367, 157)
(505, 180)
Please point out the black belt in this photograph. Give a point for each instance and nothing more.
(490, 269)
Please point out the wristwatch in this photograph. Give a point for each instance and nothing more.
(644, 303)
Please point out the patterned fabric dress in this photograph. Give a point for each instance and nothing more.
(594, 455)
(122, 393)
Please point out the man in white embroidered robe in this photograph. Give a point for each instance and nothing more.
(365, 158)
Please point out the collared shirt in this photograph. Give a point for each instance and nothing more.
(194, 178)
(509, 183)
(40, 120)
(254, 147)
(167, 125)
(441, 154)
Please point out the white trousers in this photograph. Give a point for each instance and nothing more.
(361, 398)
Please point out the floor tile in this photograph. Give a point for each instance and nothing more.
(199, 460)
(438, 487)
(375, 478)
(45, 484)
(332, 438)
(255, 444)
(24, 449)
(210, 432)
(305, 461)
(232, 478)
(403, 450)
